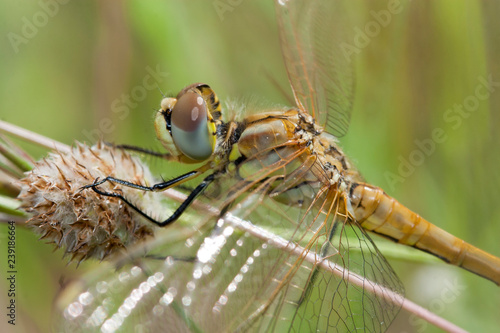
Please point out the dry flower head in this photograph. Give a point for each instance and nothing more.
(84, 223)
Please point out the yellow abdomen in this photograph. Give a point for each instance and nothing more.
(382, 214)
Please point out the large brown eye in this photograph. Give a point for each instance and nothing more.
(189, 126)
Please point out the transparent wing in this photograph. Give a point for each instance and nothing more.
(317, 46)
(282, 256)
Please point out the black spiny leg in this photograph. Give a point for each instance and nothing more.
(144, 151)
(156, 187)
(141, 150)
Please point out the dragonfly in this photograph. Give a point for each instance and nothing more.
(281, 220)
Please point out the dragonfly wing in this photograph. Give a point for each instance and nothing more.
(317, 49)
(322, 272)
(281, 256)
(364, 294)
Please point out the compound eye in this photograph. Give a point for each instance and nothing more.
(189, 126)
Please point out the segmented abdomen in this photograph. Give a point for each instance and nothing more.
(382, 214)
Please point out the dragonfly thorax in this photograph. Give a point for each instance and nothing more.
(290, 152)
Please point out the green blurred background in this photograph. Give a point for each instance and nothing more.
(66, 77)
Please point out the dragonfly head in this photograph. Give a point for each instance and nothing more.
(185, 125)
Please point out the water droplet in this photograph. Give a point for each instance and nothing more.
(135, 271)
(190, 285)
(136, 295)
(186, 301)
(223, 299)
(86, 298)
(167, 298)
(231, 287)
(228, 231)
(158, 310)
(74, 309)
(144, 287)
(159, 277)
(197, 273)
(123, 277)
(207, 269)
(169, 261)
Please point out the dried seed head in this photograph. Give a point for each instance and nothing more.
(83, 222)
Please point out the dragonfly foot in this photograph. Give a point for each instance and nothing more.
(94, 187)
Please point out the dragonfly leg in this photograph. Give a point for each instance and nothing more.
(157, 187)
(141, 150)
(144, 151)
